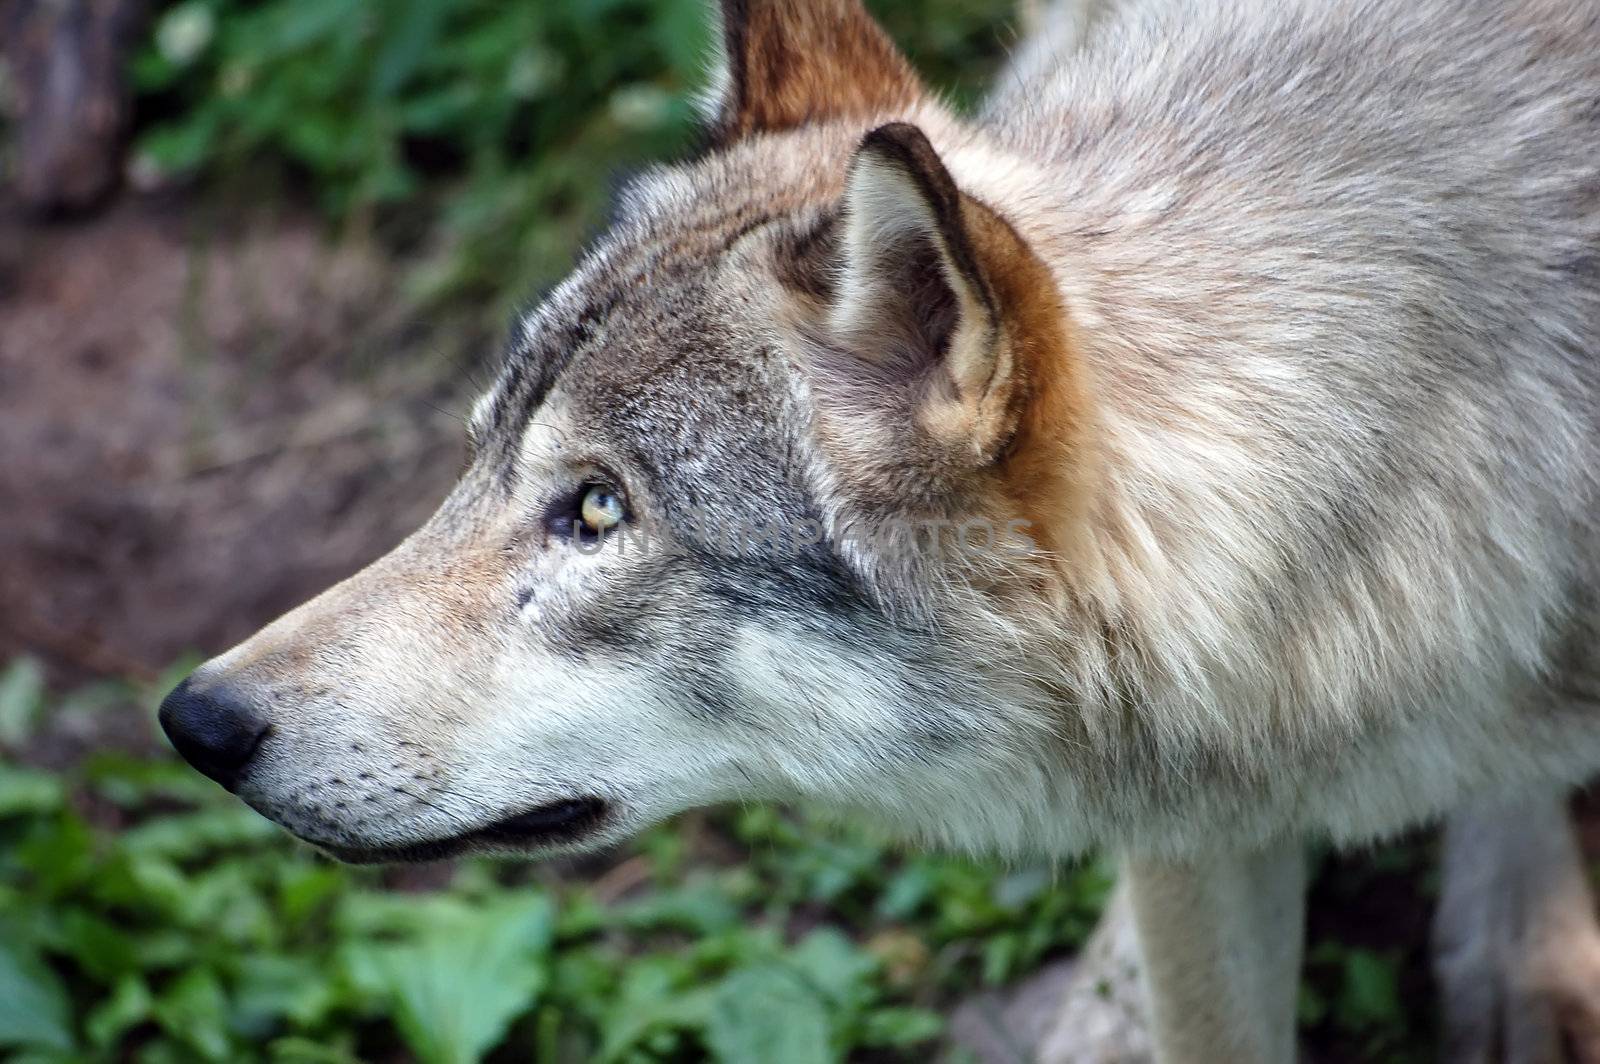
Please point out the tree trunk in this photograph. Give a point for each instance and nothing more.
(67, 62)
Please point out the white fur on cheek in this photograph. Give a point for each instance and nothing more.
(847, 731)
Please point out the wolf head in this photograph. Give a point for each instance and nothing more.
(766, 503)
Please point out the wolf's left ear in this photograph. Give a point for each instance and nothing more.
(945, 308)
(786, 63)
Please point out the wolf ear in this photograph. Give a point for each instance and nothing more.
(937, 294)
(789, 62)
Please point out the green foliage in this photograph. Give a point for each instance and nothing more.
(1366, 990)
(496, 127)
(147, 916)
(1357, 993)
(21, 700)
(34, 1010)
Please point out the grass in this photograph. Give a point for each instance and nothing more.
(147, 916)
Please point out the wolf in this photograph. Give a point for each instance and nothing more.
(1271, 330)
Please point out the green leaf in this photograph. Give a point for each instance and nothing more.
(103, 950)
(698, 907)
(684, 33)
(34, 1009)
(409, 41)
(637, 1021)
(303, 889)
(179, 147)
(194, 1011)
(901, 1028)
(768, 1014)
(906, 892)
(128, 1006)
(48, 1056)
(1311, 1008)
(308, 1051)
(192, 835)
(129, 782)
(269, 988)
(146, 884)
(21, 700)
(1000, 957)
(25, 791)
(59, 854)
(458, 986)
(836, 967)
(1370, 994)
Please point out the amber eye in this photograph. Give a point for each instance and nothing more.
(601, 509)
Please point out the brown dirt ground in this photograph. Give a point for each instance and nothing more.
(202, 421)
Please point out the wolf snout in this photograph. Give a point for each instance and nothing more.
(216, 729)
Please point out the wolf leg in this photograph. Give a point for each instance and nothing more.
(1220, 940)
(1515, 940)
(1217, 941)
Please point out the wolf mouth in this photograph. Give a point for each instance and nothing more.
(546, 825)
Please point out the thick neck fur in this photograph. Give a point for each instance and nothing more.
(1310, 531)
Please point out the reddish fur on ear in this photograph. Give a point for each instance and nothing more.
(985, 392)
(791, 62)
(1046, 474)
(1031, 415)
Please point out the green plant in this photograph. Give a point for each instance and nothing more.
(493, 131)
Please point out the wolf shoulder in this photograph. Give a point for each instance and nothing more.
(1414, 180)
(1374, 230)
(1320, 105)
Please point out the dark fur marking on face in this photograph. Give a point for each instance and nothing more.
(531, 371)
(679, 610)
(567, 342)
(629, 618)
(702, 681)
(814, 591)
(805, 259)
(744, 229)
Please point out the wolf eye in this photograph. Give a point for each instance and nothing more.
(601, 509)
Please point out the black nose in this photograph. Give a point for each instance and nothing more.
(216, 731)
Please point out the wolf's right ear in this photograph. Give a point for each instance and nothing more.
(926, 293)
(936, 343)
(785, 63)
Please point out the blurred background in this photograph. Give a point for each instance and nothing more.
(255, 259)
